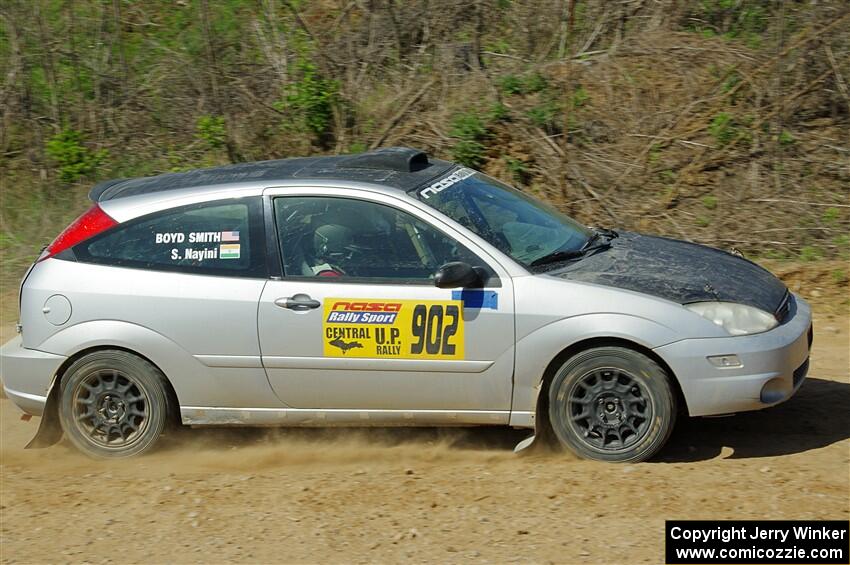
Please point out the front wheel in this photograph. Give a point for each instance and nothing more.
(113, 404)
(612, 404)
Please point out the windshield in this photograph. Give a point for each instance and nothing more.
(520, 226)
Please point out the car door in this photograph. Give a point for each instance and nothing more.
(356, 322)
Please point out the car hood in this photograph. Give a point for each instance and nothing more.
(677, 270)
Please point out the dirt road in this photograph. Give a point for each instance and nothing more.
(423, 495)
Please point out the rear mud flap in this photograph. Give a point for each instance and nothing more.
(525, 444)
(49, 430)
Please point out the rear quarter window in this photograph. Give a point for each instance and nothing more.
(215, 238)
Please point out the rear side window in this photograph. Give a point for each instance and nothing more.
(215, 238)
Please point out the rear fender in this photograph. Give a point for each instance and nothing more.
(194, 383)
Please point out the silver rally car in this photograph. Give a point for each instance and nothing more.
(385, 288)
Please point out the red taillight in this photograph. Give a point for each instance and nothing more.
(89, 224)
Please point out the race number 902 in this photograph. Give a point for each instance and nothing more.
(433, 329)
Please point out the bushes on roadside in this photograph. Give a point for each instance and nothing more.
(310, 101)
(469, 131)
(73, 159)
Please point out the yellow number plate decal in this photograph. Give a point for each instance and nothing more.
(398, 329)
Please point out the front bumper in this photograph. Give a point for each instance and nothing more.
(27, 374)
(772, 366)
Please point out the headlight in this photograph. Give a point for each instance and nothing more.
(737, 319)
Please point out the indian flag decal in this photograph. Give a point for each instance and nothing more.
(228, 251)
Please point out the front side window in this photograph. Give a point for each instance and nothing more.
(218, 238)
(342, 238)
(518, 225)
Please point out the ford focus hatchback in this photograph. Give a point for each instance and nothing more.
(385, 288)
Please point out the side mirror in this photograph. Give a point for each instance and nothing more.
(456, 274)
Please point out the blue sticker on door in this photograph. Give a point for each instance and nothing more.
(477, 299)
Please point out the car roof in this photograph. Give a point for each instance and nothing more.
(402, 168)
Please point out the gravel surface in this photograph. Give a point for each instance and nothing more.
(457, 495)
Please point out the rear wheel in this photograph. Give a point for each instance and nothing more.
(612, 404)
(113, 404)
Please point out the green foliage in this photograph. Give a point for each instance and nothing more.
(211, 130)
(731, 81)
(73, 159)
(148, 67)
(498, 46)
(499, 112)
(754, 40)
(513, 84)
(830, 215)
(535, 82)
(810, 253)
(839, 276)
(775, 254)
(842, 245)
(731, 18)
(580, 97)
(468, 125)
(311, 99)
(470, 132)
(544, 116)
(729, 78)
(709, 201)
(176, 163)
(842, 241)
(751, 17)
(724, 129)
(654, 153)
(519, 170)
(785, 138)
(357, 147)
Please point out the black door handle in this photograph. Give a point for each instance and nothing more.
(298, 302)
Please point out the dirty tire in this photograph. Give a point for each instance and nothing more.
(113, 404)
(612, 404)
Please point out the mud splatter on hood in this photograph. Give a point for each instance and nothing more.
(677, 270)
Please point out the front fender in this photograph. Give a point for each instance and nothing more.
(536, 350)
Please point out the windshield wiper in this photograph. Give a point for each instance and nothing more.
(557, 256)
(610, 234)
(590, 240)
(589, 245)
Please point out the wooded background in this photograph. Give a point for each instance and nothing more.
(725, 122)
